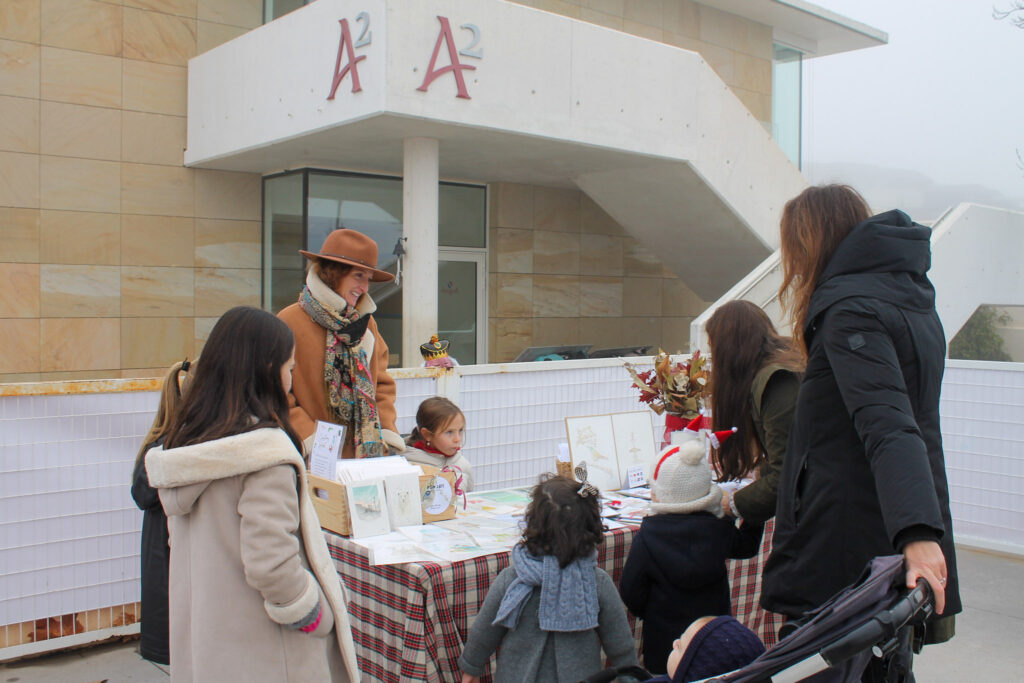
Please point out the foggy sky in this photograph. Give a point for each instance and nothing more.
(944, 99)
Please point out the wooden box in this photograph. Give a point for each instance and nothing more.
(330, 499)
(564, 469)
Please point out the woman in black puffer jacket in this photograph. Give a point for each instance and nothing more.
(864, 473)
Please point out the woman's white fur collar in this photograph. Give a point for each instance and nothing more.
(222, 458)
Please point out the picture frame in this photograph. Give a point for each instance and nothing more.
(611, 445)
(403, 499)
(367, 508)
(634, 442)
(592, 441)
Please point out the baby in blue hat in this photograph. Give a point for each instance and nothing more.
(711, 646)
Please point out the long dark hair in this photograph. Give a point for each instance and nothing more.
(561, 522)
(236, 384)
(743, 340)
(813, 224)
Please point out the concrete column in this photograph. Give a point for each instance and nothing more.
(419, 266)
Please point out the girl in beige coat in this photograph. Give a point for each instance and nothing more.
(254, 595)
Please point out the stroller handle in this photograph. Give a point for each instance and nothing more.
(916, 606)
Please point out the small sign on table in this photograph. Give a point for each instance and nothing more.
(635, 476)
(327, 441)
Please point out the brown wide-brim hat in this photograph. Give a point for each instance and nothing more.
(351, 248)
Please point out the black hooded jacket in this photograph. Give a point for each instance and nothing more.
(864, 472)
(676, 573)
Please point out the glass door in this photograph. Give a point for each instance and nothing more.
(461, 312)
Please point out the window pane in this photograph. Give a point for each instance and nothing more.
(272, 9)
(372, 206)
(456, 308)
(786, 97)
(461, 215)
(283, 265)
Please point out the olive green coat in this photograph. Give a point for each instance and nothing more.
(773, 397)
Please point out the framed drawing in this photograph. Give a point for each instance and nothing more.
(634, 442)
(592, 441)
(367, 508)
(403, 491)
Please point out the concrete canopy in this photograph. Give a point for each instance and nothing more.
(815, 30)
(647, 130)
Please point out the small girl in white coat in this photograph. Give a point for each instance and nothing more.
(437, 439)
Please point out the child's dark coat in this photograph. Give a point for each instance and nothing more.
(676, 573)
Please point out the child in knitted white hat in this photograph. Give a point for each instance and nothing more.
(676, 569)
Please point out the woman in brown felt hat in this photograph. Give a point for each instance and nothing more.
(341, 361)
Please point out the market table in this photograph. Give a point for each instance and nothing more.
(745, 583)
(410, 621)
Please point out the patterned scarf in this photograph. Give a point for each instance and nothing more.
(351, 393)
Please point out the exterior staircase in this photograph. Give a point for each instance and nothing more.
(977, 258)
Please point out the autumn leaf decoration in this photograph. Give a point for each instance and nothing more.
(676, 388)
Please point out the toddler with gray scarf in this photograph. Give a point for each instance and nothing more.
(553, 610)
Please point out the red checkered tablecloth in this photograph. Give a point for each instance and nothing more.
(745, 581)
(409, 621)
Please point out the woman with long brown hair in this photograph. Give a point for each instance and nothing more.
(864, 474)
(155, 551)
(254, 594)
(756, 378)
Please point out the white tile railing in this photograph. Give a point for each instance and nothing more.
(69, 531)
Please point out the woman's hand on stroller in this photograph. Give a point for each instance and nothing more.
(924, 559)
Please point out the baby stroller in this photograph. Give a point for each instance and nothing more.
(874, 616)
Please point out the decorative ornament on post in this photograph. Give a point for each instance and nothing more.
(399, 252)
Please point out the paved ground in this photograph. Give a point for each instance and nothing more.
(988, 634)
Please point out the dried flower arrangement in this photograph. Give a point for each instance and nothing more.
(674, 388)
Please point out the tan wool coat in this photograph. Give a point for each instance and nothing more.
(249, 560)
(308, 397)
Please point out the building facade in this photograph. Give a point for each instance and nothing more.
(609, 171)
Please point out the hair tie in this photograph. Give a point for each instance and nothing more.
(185, 365)
(586, 489)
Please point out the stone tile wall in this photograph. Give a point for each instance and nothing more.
(114, 258)
(562, 271)
(738, 49)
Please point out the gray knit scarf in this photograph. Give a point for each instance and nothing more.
(568, 597)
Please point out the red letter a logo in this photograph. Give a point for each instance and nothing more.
(455, 67)
(339, 73)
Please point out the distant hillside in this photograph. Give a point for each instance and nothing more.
(917, 194)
